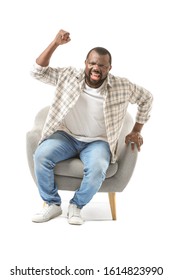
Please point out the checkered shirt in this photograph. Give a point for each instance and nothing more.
(118, 93)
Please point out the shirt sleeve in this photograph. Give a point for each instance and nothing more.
(144, 99)
(46, 74)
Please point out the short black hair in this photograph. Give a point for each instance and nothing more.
(101, 51)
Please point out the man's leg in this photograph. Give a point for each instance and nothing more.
(96, 160)
(56, 148)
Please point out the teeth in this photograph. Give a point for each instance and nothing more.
(96, 74)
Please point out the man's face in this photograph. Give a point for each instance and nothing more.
(96, 69)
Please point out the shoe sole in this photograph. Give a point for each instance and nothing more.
(74, 222)
(77, 224)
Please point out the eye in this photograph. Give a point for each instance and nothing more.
(99, 65)
(103, 66)
(92, 63)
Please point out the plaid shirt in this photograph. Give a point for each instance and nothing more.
(118, 92)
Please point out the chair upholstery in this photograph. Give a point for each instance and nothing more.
(69, 173)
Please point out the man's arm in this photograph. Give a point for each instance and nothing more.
(143, 98)
(61, 38)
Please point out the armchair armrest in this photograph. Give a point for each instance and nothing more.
(32, 139)
(33, 136)
(126, 163)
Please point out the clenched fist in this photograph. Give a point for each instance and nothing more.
(62, 37)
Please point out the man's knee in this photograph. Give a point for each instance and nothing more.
(42, 158)
(97, 169)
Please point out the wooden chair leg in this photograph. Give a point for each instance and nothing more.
(112, 202)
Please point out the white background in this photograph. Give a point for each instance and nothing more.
(139, 36)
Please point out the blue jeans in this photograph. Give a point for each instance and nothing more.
(61, 146)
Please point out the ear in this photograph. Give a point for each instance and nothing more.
(110, 67)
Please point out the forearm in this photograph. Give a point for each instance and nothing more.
(61, 38)
(44, 57)
(137, 127)
(144, 99)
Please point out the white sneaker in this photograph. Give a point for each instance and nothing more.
(74, 217)
(47, 213)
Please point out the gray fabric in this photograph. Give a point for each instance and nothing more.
(68, 174)
(74, 168)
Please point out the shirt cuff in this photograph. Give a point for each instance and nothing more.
(39, 67)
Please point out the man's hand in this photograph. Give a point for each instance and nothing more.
(134, 138)
(62, 37)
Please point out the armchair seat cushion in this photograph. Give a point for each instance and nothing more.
(74, 168)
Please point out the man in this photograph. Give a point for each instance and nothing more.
(84, 120)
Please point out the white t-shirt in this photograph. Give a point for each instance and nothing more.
(85, 121)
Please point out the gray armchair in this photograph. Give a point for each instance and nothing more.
(69, 173)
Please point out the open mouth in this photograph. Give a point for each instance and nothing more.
(95, 76)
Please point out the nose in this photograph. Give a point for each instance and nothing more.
(96, 67)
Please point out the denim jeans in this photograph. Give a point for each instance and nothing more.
(61, 146)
